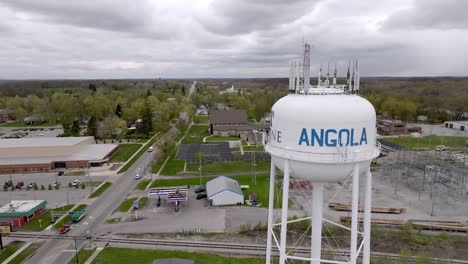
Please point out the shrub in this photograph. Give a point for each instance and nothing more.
(69, 185)
(36, 187)
(83, 186)
(42, 187)
(49, 187)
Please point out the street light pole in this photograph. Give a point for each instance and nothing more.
(91, 181)
(76, 251)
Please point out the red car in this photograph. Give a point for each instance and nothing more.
(64, 229)
(19, 185)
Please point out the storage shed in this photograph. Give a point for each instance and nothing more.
(224, 191)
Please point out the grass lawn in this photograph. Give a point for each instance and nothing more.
(10, 249)
(74, 173)
(83, 255)
(113, 220)
(142, 185)
(221, 139)
(254, 148)
(196, 134)
(67, 218)
(124, 152)
(99, 191)
(143, 150)
(201, 119)
(172, 167)
(25, 253)
(145, 256)
(126, 205)
(142, 202)
(45, 219)
(218, 168)
(430, 142)
(261, 188)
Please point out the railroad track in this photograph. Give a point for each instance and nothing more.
(247, 249)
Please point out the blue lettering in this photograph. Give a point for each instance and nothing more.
(315, 136)
(304, 137)
(330, 142)
(363, 136)
(340, 137)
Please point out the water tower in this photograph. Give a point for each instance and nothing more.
(322, 133)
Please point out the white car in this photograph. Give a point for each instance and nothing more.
(40, 135)
(150, 149)
(75, 183)
(137, 176)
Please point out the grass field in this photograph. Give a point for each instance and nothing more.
(430, 142)
(25, 254)
(45, 219)
(142, 185)
(143, 150)
(99, 191)
(125, 152)
(10, 249)
(83, 255)
(68, 217)
(200, 119)
(196, 134)
(142, 202)
(218, 168)
(145, 256)
(126, 205)
(221, 139)
(261, 188)
(254, 148)
(172, 167)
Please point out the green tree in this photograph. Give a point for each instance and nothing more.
(118, 110)
(92, 127)
(75, 129)
(147, 118)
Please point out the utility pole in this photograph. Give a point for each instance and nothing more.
(76, 251)
(91, 181)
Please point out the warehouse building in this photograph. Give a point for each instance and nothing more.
(44, 154)
(224, 191)
(18, 213)
(459, 125)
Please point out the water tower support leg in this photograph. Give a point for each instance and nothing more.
(354, 214)
(317, 211)
(284, 213)
(270, 213)
(367, 218)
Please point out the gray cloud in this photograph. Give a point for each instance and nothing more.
(430, 14)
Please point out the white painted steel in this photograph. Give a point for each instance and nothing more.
(270, 212)
(284, 212)
(354, 214)
(317, 208)
(367, 217)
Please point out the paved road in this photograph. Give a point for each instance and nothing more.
(56, 251)
(193, 88)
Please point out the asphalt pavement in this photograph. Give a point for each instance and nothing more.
(61, 251)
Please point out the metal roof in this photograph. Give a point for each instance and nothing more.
(221, 184)
(19, 208)
(41, 142)
(219, 117)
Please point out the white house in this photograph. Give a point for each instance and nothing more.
(224, 191)
(459, 125)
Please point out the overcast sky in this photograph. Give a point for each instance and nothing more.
(229, 38)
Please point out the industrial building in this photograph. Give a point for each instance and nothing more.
(44, 154)
(459, 125)
(18, 213)
(386, 126)
(224, 191)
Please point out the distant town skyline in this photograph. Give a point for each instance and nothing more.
(54, 39)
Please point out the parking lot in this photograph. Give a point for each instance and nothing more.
(31, 132)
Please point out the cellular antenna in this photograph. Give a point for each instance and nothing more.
(334, 75)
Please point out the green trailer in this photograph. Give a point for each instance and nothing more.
(78, 215)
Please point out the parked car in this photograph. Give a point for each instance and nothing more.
(137, 176)
(57, 184)
(200, 189)
(8, 184)
(40, 135)
(150, 149)
(440, 148)
(64, 229)
(201, 195)
(60, 173)
(75, 183)
(32, 185)
(19, 185)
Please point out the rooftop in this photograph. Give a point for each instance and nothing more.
(220, 184)
(21, 207)
(226, 117)
(42, 142)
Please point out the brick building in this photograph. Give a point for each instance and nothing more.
(18, 213)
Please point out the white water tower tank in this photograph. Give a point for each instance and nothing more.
(323, 134)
